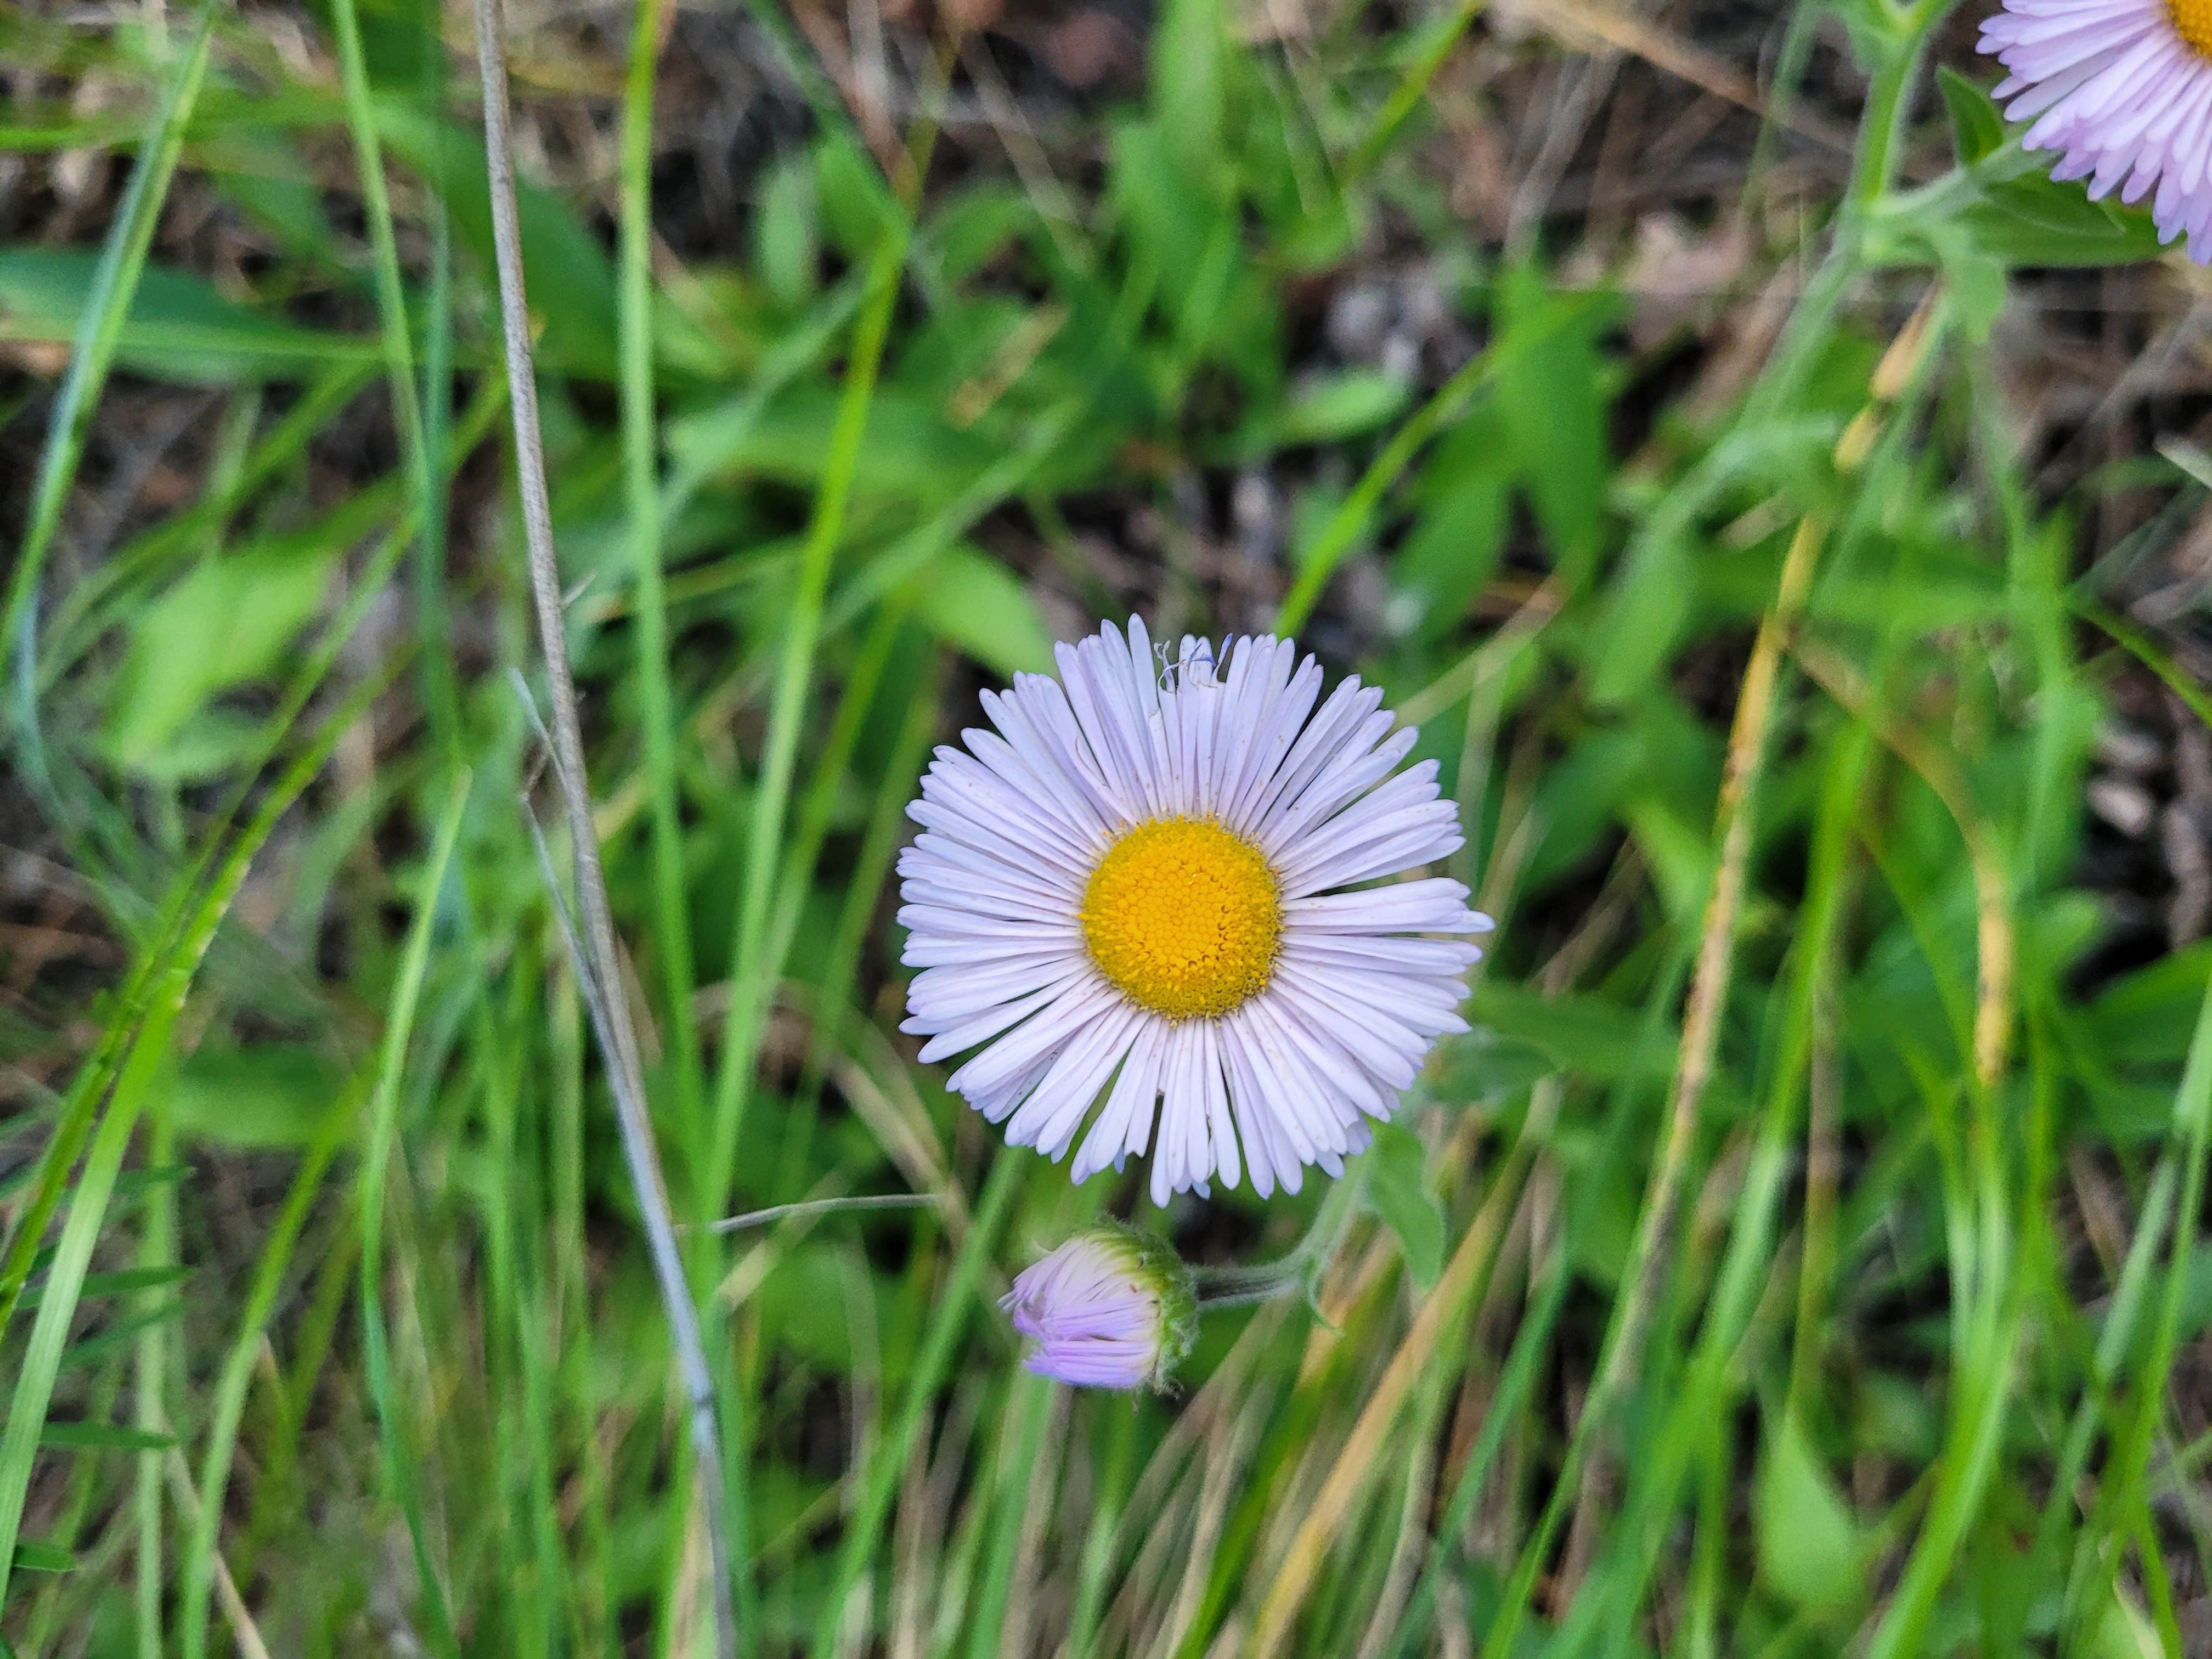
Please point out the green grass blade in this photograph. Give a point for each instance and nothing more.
(382, 1137)
(115, 280)
(146, 1053)
(640, 442)
(948, 1317)
(196, 1566)
(398, 349)
(1318, 562)
(149, 1384)
(794, 673)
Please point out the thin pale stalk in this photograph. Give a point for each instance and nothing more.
(598, 971)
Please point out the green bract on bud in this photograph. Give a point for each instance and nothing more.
(1112, 1308)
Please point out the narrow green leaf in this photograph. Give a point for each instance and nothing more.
(1807, 1539)
(1395, 1186)
(32, 1557)
(103, 1437)
(115, 1284)
(1977, 128)
(973, 601)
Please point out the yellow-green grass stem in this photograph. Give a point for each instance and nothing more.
(196, 1567)
(149, 1385)
(787, 711)
(399, 352)
(382, 1140)
(642, 500)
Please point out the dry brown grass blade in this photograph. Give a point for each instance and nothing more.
(1356, 1465)
(1578, 23)
(243, 1630)
(1746, 752)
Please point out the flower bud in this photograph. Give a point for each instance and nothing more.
(1112, 1308)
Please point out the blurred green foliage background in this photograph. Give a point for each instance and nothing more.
(1774, 500)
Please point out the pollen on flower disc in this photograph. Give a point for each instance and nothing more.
(2193, 19)
(1184, 917)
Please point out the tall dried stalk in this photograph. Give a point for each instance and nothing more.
(597, 963)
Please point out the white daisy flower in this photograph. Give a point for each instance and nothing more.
(1144, 884)
(2123, 88)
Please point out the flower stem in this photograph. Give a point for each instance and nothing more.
(1240, 1287)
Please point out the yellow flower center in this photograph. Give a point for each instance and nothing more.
(2193, 18)
(1184, 917)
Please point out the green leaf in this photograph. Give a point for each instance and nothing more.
(1172, 224)
(972, 601)
(178, 328)
(101, 1343)
(907, 451)
(1458, 533)
(1977, 128)
(230, 620)
(1396, 1167)
(101, 1436)
(1651, 600)
(571, 282)
(120, 1283)
(1190, 50)
(1484, 1065)
(1551, 397)
(2148, 1018)
(1680, 853)
(1333, 407)
(260, 172)
(786, 233)
(34, 1557)
(269, 1095)
(1584, 1035)
(2035, 220)
(1806, 1538)
(1977, 277)
(804, 1308)
(970, 228)
(856, 206)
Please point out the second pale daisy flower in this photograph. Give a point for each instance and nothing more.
(2123, 89)
(1145, 885)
